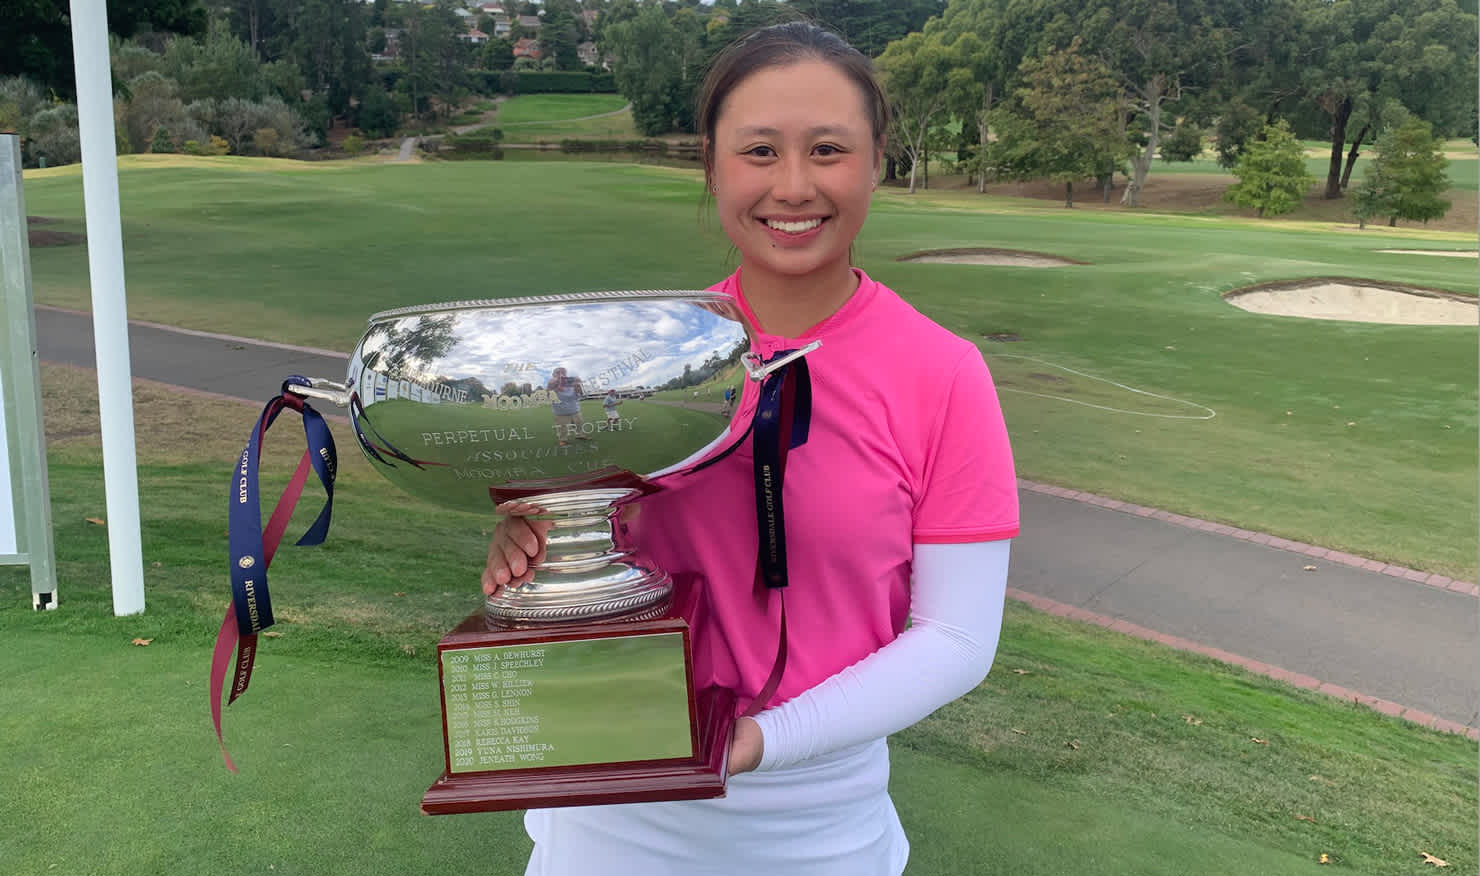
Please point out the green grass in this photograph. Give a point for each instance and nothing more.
(616, 127)
(1080, 752)
(305, 254)
(1084, 751)
(549, 118)
(531, 108)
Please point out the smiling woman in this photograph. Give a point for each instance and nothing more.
(899, 482)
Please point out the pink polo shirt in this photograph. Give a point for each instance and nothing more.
(906, 446)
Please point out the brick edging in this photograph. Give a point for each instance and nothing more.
(1306, 682)
(1429, 579)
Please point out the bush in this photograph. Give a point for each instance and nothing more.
(481, 143)
(131, 60)
(54, 136)
(267, 141)
(1271, 174)
(215, 146)
(154, 103)
(316, 119)
(20, 99)
(161, 141)
(1184, 144)
(1406, 180)
(377, 115)
(649, 147)
(218, 66)
(523, 81)
(353, 145)
(1237, 126)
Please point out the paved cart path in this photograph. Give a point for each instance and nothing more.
(1401, 641)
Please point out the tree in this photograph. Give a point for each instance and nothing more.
(922, 76)
(870, 25)
(1184, 144)
(1407, 179)
(1238, 124)
(1421, 52)
(331, 49)
(648, 68)
(1161, 51)
(261, 24)
(1272, 177)
(218, 67)
(497, 54)
(376, 114)
(1070, 123)
(559, 36)
(36, 39)
(433, 53)
(993, 37)
(153, 105)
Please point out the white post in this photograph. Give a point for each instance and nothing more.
(110, 311)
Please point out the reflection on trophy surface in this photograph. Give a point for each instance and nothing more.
(558, 401)
(573, 688)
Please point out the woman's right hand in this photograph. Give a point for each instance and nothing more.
(518, 544)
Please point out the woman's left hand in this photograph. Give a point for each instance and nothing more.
(746, 746)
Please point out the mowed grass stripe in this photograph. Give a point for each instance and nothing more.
(303, 256)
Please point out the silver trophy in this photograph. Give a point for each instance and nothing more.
(576, 687)
(572, 403)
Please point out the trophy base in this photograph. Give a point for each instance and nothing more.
(618, 695)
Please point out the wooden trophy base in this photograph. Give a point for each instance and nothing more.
(698, 773)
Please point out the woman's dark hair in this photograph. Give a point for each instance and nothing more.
(780, 45)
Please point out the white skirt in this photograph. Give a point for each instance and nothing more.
(830, 816)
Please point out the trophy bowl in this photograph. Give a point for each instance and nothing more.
(575, 687)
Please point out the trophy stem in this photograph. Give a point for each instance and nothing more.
(584, 576)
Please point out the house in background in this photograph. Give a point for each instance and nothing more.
(527, 48)
(588, 55)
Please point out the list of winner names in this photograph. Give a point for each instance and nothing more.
(484, 690)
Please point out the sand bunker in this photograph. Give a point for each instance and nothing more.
(1450, 253)
(1358, 301)
(1016, 258)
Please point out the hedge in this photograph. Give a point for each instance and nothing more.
(542, 82)
(524, 81)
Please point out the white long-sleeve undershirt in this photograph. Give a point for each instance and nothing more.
(956, 603)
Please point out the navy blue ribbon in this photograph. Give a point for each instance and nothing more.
(781, 423)
(248, 553)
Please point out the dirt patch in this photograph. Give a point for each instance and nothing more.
(989, 256)
(40, 238)
(1448, 253)
(1358, 301)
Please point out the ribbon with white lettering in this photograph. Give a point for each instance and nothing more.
(782, 419)
(252, 547)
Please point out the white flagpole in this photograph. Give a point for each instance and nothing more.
(110, 311)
